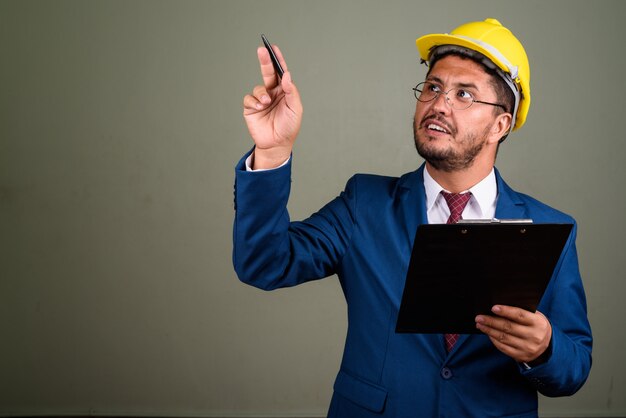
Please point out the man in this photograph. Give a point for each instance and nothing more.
(476, 91)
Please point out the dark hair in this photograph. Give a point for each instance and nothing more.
(501, 88)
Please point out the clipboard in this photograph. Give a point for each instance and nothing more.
(461, 270)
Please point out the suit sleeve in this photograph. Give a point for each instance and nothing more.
(270, 251)
(564, 304)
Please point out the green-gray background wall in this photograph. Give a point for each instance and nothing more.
(120, 124)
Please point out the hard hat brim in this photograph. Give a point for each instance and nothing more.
(426, 43)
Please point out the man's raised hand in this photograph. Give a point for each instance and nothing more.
(273, 113)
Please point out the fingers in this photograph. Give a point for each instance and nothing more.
(517, 315)
(509, 321)
(270, 78)
(292, 95)
(256, 101)
(261, 97)
(267, 68)
(500, 333)
(264, 95)
(261, 94)
(500, 330)
(518, 333)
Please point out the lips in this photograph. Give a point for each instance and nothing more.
(435, 124)
(438, 128)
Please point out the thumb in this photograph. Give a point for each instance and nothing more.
(292, 96)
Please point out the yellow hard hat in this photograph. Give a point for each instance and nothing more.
(498, 44)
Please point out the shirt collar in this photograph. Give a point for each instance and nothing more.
(484, 193)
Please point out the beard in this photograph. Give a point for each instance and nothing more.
(449, 159)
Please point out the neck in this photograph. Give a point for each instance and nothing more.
(459, 181)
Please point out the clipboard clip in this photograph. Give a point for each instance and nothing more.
(496, 221)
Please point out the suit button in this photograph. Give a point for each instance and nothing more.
(446, 373)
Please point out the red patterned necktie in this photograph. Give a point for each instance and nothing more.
(456, 202)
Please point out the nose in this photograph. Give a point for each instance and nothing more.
(441, 104)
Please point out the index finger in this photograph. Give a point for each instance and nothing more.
(270, 78)
(514, 314)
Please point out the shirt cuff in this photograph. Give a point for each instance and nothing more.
(544, 357)
(249, 164)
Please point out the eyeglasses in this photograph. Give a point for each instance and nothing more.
(459, 98)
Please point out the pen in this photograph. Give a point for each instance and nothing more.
(277, 66)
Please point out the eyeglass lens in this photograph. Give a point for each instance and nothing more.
(458, 98)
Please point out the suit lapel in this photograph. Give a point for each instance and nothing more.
(412, 209)
(509, 205)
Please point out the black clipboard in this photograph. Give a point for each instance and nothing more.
(461, 270)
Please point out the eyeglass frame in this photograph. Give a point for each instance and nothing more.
(445, 93)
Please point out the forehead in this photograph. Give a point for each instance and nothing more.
(453, 70)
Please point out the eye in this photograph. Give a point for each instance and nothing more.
(464, 95)
(434, 88)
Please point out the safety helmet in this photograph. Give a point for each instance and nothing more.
(498, 44)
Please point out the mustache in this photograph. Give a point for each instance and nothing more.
(440, 119)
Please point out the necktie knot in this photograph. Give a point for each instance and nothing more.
(456, 202)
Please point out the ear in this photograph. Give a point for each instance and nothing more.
(500, 127)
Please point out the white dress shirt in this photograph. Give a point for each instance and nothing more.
(482, 204)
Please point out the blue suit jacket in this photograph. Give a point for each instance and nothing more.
(365, 236)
